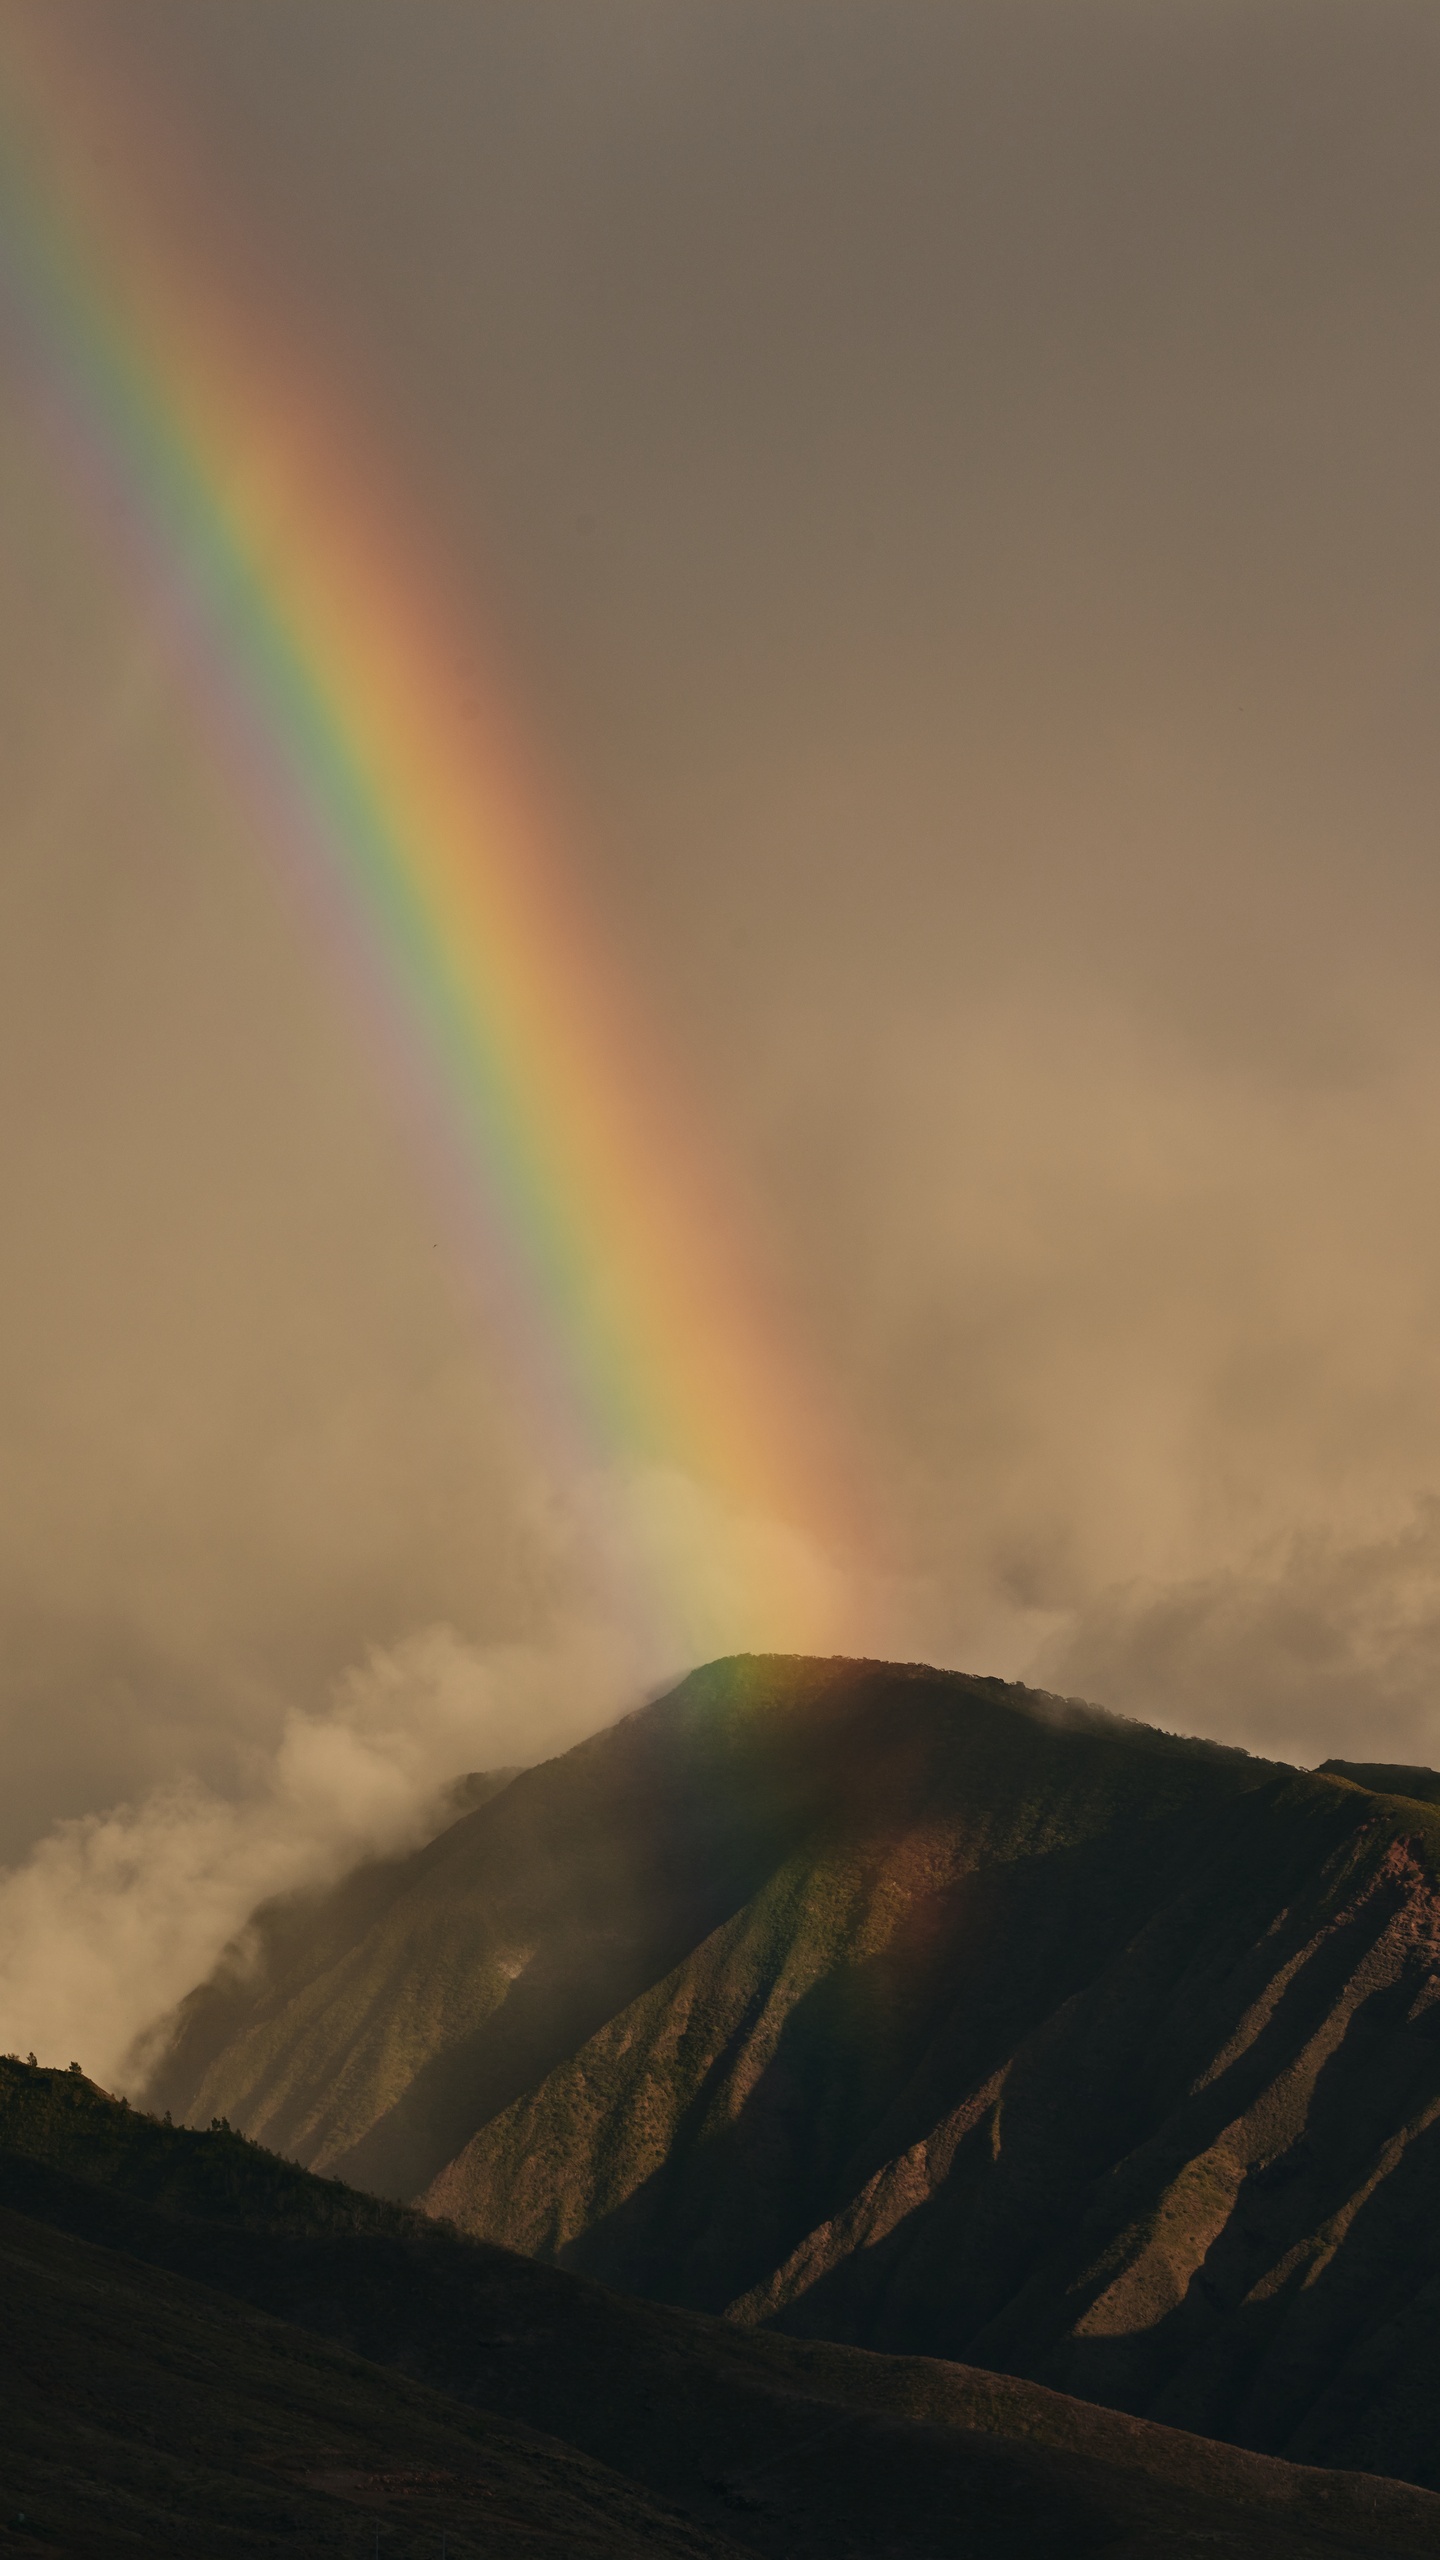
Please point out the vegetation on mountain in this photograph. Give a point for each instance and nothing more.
(370, 2030)
(195, 2331)
(914, 2012)
(1388, 1777)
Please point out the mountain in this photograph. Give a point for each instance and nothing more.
(208, 2347)
(371, 2031)
(917, 2013)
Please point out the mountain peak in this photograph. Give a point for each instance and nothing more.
(911, 2009)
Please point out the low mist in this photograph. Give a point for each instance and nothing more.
(115, 1915)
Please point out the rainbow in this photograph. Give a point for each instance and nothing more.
(340, 682)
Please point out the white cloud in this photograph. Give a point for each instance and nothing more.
(115, 1915)
(1318, 1645)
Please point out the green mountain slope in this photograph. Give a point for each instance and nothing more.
(153, 2402)
(370, 2032)
(921, 2013)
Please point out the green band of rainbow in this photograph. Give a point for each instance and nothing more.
(309, 625)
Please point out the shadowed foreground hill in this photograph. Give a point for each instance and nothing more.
(145, 2414)
(154, 2401)
(919, 2012)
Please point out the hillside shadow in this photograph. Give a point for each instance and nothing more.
(870, 2059)
(1100, 2114)
(1296, 2369)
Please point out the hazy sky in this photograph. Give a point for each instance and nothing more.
(955, 490)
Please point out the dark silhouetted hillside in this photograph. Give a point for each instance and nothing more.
(206, 2348)
(920, 2013)
(145, 2414)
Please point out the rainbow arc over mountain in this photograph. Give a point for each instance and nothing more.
(339, 682)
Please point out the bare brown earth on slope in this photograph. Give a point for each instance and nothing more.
(896, 2008)
(154, 2402)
